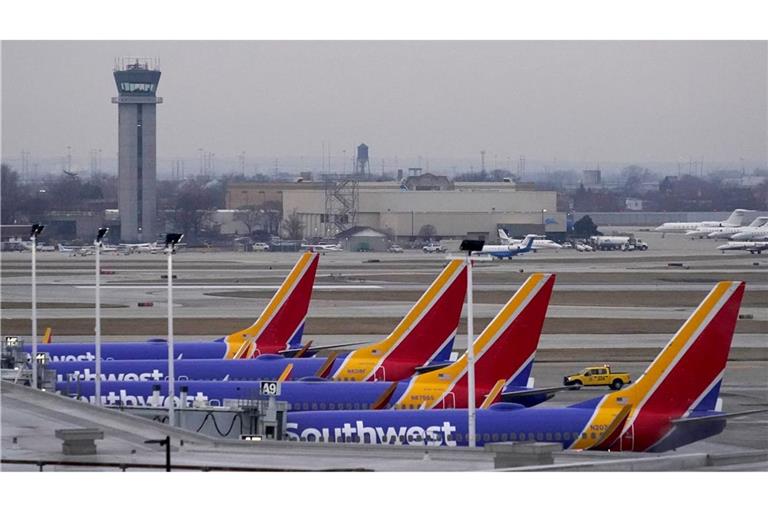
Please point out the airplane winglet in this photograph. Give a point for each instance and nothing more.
(323, 371)
(493, 394)
(303, 349)
(245, 348)
(286, 373)
(383, 400)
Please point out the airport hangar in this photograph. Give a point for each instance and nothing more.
(456, 209)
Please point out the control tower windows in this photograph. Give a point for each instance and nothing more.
(137, 87)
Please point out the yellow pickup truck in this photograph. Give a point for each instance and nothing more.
(598, 376)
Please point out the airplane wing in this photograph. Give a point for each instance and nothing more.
(718, 416)
(291, 352)
(508, 395)
(433, 366)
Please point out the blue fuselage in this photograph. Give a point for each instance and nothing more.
(62, 352)
(447, 427)
(500, 423)
(266, 367)
(300, 395)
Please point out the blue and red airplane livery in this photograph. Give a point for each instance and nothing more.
(422, 339)
(278, 330)
(504, 354)
(674, 403)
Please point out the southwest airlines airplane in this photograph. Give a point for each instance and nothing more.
(422, 340)
(277, 330)
(504, 354)
(674, 403)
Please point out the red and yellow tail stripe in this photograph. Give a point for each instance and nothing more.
(688, 366)
(283, 298)
(362, 364)
(436, 389)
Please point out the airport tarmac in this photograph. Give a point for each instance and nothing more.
(607, 307)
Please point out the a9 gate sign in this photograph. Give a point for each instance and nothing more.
(269, 388)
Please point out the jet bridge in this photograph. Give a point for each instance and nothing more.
(16, 367)
(251, 420)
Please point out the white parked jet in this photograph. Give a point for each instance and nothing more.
(322, 247)
(734, 220)
(539, 241)
(755, 234)
(145, 247)
(726, 233)
(752, 247)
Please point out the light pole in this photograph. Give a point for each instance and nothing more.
(543, 224)
(97, 329)
(34, 233)
(171, 239)
(470, 246)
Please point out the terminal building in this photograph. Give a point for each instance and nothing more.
(136, 80)
(454, 210)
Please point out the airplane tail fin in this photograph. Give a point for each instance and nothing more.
(427, 331)
(683, 379)
(504, 237)
(503, 351)
(736, 218)
(281, 324)
(507, 347)
(527, 243)
(687, 372)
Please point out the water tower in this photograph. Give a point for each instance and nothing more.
(136, 80)
(362, 165)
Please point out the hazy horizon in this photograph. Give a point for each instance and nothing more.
(433, 104)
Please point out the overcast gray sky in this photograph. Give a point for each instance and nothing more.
(445, 101)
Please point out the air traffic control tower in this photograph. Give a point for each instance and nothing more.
(136, 80)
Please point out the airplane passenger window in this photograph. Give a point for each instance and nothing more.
(322, 406)
(503, 436)
(593, 436)
(566, 436)
(486, 437)
(549, 436)
(495, 436)
(558, 437)
(331, 406)
(314, 406)
(306, 406)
